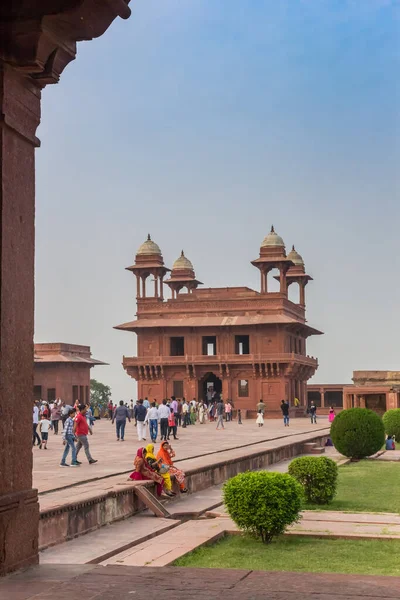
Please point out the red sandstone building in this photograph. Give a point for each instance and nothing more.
(243, 343)
(63, 371)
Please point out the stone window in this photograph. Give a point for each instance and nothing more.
(209, 345)
(75, 393)
(37, 392)
(177, 389)
(177, 346)
(243, 388)
(242, 344)
(51, 394)
(334, 398)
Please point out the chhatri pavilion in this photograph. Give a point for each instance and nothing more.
(245, 344)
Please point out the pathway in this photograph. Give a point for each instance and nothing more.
(113, 582)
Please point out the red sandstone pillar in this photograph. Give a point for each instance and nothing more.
(302, 294)
(19, 509)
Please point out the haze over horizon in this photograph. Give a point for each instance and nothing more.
(203, 123)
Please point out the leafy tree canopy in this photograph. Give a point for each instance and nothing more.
(100, 394)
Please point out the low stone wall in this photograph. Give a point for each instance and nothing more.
(77, 518)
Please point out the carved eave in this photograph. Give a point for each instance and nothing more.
(43, 41)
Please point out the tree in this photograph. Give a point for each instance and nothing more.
(100, 394)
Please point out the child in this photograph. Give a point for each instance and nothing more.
(390, 445)
(260, 419)
(172, 424)
(44, 426)
(331, 414)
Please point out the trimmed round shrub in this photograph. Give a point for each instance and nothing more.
(263, 504)
(317, 475)
(391, 422)
(357, 432)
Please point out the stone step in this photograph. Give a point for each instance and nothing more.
(317, 450)
(151, 502)
(103, 543)
(308, 446)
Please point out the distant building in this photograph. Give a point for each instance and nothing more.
(63, 371)
(376, 390)
(243, 343)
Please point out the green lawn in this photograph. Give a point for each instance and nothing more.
(366, 486)
(299, 554)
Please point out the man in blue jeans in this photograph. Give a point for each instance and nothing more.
(153, 417)
(121, 414)
(69, 440)
(285, 412)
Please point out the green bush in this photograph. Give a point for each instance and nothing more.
(317, 475)
(391, 422)
(357, 432)
(263, 503)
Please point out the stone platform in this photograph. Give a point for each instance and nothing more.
(85, 505)
(93, 582)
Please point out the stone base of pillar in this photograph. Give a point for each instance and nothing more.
(19, 522)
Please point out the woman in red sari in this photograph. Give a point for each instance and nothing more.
(166, 454)
(143, 472)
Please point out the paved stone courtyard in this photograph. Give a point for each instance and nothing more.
(92, 582)
(117, 457)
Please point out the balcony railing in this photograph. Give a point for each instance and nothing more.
(201, 359)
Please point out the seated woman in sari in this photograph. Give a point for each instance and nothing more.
(143, 472)
(154, 464)
(166, 454)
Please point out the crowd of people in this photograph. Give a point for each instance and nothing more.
(153, 419)
(77, 423)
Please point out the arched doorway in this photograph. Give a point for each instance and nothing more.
(208, 384)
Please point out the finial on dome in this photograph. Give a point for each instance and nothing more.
(148, 237)
(182, 253)
(293, 248)
(272, 229)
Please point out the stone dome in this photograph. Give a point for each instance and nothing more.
(149, 247)
(182, 263)
(273, 239)
(295, 257)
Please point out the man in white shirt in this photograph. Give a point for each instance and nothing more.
(163, 413)
(35, 424)
(152, 418)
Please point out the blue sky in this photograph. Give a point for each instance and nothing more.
(203, 122)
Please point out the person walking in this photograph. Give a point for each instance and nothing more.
(332, 415)
(220, 413)
(228, 411)
(260, 406)
(172, 424)
(55, 417)
(202, 413)
(140, 413)
(260, 419)
(121, 414)
(69, 440)
(313, 413)
(163, 413)
(81, 430)
(110, 410)
(185, 413)
(35, 421)
(44, 426)
(285, 412)
(152, 417)
(179, 414)
(146, 403)
(174, 406)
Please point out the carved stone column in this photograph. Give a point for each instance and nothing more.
(19, 509)
(37, 40)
